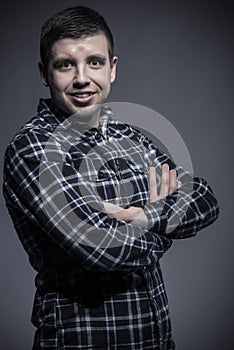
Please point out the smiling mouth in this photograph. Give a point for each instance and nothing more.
(83, 94)
(82, 97)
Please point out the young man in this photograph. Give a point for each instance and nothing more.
(82, 192)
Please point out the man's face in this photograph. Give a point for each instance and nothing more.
(79, 73)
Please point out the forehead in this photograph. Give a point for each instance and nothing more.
(87, 45)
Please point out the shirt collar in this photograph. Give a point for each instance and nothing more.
(54, 116)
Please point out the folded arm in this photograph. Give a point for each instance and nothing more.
(64, 205)
(185, 203)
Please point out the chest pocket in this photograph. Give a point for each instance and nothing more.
(122, 182)
(134, 178)
(119, 181)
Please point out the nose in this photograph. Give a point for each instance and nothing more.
(81, 77)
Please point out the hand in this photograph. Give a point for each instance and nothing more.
(169, 183)
(136, 215)
(133, 214)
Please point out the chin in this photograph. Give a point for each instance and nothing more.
(87, 111)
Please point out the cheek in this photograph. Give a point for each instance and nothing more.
(102, 77)
(59, 82)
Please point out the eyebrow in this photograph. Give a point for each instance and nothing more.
(65, 57)
(95, 56)
(58, 58)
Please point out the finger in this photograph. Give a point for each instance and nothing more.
(111, 208)
(165, 181)
(173, 185)
(153, 197)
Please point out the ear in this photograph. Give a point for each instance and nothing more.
(113, 68)
(43, 74)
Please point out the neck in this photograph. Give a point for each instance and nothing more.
(89, 115)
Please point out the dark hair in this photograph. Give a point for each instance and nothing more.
(73, 22)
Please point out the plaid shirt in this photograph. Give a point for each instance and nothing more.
(99, 283)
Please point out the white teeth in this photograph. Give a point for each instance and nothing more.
(83, 95)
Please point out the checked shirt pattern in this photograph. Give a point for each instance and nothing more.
(99, 283)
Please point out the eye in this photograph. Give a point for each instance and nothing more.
(66, 65)
(63, 65)
(96, 62)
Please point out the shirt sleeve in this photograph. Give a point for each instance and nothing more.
(185, 211)
(62, 203)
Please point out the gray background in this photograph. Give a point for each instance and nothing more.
(175, 57)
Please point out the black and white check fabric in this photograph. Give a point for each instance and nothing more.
(99, 283)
